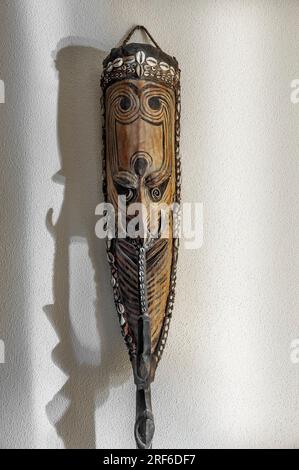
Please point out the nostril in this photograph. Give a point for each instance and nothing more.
(140, 162)
(140, 166)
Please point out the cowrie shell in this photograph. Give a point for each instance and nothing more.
(151, 61)
(140, 57)
(164, 66)
(120, 308)
(138, 70)
(129, 60)
(117, 62)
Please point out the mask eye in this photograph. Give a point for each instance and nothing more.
(123, 191)
(154, 103)
(129, 194)
(156, 194)
(157, 190)
(125, 103)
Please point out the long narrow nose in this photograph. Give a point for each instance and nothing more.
(141, 163)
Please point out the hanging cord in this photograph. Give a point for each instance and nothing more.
(140, 28)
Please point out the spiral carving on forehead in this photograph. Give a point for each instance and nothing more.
(124, 104)
(124, 107)
(156, 103)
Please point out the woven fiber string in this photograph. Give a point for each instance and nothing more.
(141, 28)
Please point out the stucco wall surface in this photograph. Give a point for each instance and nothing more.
(226, 378)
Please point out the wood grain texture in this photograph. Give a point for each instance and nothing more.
(140, 163)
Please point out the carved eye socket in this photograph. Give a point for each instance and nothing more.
(123, 191)
(156, 194)
(156, 189)
(129, 194)
(125, 103)
(154, 102)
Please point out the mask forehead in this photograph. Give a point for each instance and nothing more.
(140, 117)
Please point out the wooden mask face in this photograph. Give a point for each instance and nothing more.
(140, 144)
(141, 163)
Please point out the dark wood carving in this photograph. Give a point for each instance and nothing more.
(141, 101)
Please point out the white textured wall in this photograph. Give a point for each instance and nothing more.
(226, 379)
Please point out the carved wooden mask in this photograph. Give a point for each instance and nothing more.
(141, 100)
